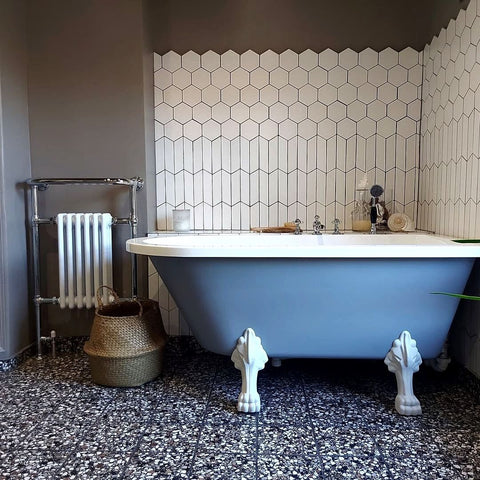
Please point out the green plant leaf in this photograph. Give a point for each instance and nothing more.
(457, 295)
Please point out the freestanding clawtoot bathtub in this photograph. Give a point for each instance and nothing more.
(330, 296)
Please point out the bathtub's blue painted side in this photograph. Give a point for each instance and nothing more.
(333, 308)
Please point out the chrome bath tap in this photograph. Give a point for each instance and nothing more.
(317, 226)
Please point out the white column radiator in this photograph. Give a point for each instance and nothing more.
(84, 257)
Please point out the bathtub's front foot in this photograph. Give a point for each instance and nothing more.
(404, 360)
(249, 357)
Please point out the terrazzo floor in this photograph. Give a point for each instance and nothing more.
(320, 419)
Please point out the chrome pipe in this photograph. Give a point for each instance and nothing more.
(44, 183)
(36, 266)
(133, 232)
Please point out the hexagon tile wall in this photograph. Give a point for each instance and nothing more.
(252, 139)
(260, 139)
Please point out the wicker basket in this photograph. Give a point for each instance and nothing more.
(126, 342)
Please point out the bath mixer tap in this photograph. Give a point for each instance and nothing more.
(297, 223)
(317, 225)
(336, 222)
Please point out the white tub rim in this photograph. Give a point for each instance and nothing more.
(268, 245)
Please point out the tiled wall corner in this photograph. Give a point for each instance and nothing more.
(251, 139)
(449, 191)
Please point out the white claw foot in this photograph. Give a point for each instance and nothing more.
(404, 359)
(249, 357)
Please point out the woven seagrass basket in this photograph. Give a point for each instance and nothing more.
(126, 342)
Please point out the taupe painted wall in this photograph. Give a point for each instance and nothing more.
(89, 117)
(15, 327)
(220, 25)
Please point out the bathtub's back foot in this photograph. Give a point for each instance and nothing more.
(441, 363)
(249, 357)
(404, 359)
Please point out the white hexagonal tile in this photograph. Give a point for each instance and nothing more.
(414, 108)
(240, 112)
(387, 93)
(157, 62)
(346, 128)
(357, 76)
(249, 60)
(415, 74)
(159, 131)
(463, 83)
(279, 77)
(211, 95)
(269, 60)
(377, 75)
(259, 112)
(475, 29)
(470, 57)
(249, 95)
(221, 112)
(337, 76)
(328, 59)
(317, 112)
(307, 129)
(317, 77)
(465, 40)
(307, 94)
(368, 58)
(163, 78)
(182, 78)
(453, 90)
(269, 95)
(192, 95)
(157, 96)
(192, 130)
(347, 93)
(172, 95)
(230, 95)
(249, 129)
(376, 110)
(230, 129)
(406, 127)
(366, 127)
(327, 128)
(297, 112)
(397, 110)
(298, 77)
(202, 112)
(288, 60)
(407, 92)
(191, 61)
(230, 60)
(337, 111)
(259, 78)
(288, 95)
(173, 130)
(220, 78)
(348, 58)
(367, 93)
(397, 75)
(356, 110)
(201, 78)
(240, 78)
(182, 113)
(210, 61)
(287, 129)
(171, 61)
(327, 94)
(388, 57)
(278, 112)
(386, 127)
(459, 65)
(458, 108)
(408, 57)
(163, 113)
(211, 129)
(475, 76)
(268, 129)
(308, 60)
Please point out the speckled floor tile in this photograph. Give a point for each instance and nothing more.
(320, 419)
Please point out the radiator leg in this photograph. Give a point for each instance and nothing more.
(249, 357)
(404, 359)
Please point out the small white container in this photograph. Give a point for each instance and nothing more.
(181, 220)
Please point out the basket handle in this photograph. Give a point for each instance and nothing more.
(112, 292)
(116, 298)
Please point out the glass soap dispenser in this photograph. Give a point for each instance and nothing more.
(361, 210)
